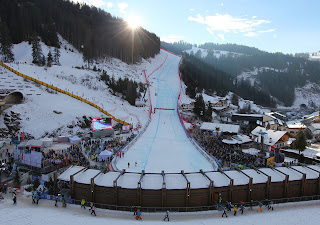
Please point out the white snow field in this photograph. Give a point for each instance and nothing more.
(27, 213)
(164, 145)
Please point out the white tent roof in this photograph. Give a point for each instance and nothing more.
(275, 175)
(256, 176)
(152, 182)
(65, 176)
(85, 176)
(220, 127)
(129, 180)
(310, 174)
(219, 179)
(175, 181)
(237, 139)
(197, 180)
(238, 178)
(106, 180)
(105, 153)
(293, 175)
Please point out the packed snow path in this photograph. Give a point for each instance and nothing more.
(164, 145)
(46, 213)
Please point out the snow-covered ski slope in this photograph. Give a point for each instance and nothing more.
(164, 145)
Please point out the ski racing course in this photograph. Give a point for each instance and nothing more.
(164, 146)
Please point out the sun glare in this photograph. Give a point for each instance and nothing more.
(134, 22)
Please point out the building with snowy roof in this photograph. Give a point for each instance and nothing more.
(293, 127)
(220, 127)
(278, 139)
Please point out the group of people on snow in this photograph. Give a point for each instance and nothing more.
(228, 206)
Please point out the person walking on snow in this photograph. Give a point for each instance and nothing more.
(91, 206)
(229, 206)
(220, 201)
(270, 206)
(56, 202)
(235, 209)
(128, 164)
(138, 215)
(83, 202)
(260, 207)
(37, 198)
(167, 216)
(224, 212)
(33, 198)
(242, 208)
(93, 210)
(14, 199)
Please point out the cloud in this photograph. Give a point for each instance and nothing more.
(191, 10)
(209, 30)
(109, 5)
(254, 17)
(172, 38)
(274, 36)
(228, 23)
(221, 36)
(221, 4)
(122, 7)
(251, 34)
(267, 31)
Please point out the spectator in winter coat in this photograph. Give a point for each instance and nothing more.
(56, 202)
(260, 207)
(138, 215)
(235, 209)
(242, 208)
(270, 206)
(166, 216)
(93, 210)
(224, 212)
(14, 198)
(37, 198)
(91, 206)
(83, 202)
(229, 206)
(33, 198)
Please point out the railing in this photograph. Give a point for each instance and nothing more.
(181, 209)
(63, 92)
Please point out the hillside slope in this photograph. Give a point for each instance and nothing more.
(36, 113)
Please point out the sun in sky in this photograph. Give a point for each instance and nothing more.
(134, 21)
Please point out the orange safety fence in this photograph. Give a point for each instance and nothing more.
(63, 92)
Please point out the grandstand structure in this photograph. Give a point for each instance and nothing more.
(190, 189)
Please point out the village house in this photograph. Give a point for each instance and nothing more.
(278, 139)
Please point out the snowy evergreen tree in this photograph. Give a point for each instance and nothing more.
(300, 143)
(49, 59)
(37, 52)
(5, 44)
(56, 56)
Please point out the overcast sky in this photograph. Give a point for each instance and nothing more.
(287, 26)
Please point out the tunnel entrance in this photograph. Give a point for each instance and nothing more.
(14, 98)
